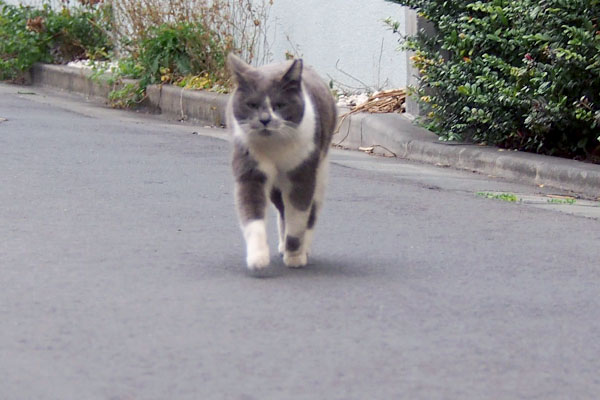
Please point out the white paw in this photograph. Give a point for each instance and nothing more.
(257, 249)
(295, 260)
(281, 247)
(258, 258)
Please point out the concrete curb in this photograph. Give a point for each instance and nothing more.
(173, 101)
(185, 104)
(388, 133)
(73, 79)
(385, 133)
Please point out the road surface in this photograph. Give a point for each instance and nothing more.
(122, 275)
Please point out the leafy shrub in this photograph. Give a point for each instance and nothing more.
(183, 42)
(29, 35)
(237, 24)
(170, 52)
(185, 54)
(20, 46)
(522, 74)
(77, 33)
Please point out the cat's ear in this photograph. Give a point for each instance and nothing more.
(238, 68)
(293, 76)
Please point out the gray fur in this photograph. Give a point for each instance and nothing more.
(303, 179)
(267, 111)
(250, 181)
(292, 243)
(277, 200)
(249, 100)
(312, 217)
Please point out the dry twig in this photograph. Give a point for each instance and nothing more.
(387, 101)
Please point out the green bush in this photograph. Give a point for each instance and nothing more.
(29, 35)
(521, 74)
(171, 52)
(79, 33)
(19, 47)
(182, 53)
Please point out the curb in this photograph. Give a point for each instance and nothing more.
(73, 79)
(395, 133)
(172, 101)
(384, 133)
(185, 104)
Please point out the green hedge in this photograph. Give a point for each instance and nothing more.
(29, 35)
(173, 51)
(521, 74)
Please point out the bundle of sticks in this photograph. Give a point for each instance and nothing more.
(386, 101)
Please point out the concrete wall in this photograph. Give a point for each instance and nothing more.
(349, 33)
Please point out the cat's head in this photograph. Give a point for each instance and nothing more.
(268, 101)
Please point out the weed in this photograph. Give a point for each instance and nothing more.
(128, 95)
(569, 201)
(499, 196)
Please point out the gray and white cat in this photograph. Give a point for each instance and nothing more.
(283, 117)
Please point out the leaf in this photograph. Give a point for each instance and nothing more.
(493, 37)
(533, 14)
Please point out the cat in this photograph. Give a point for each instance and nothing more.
(283, 117)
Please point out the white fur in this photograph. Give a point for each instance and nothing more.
(295, 260)
(257, 249)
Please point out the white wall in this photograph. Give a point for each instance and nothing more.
(347, 32)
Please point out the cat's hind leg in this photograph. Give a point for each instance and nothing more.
(295, 254)
(298, 202)
(277, 200)
(315, 208)
(310, 227)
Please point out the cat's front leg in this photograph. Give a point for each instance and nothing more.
(251, 185)
(251, 204)
(257, 249)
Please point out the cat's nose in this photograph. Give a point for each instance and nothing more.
(265, 118)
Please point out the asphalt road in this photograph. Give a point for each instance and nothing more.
(122, 275)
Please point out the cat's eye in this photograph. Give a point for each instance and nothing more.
(253, 105)
(278, 106)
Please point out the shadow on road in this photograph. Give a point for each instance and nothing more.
(318, 267)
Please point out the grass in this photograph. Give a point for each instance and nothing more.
(569, 201)
(511, 198)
